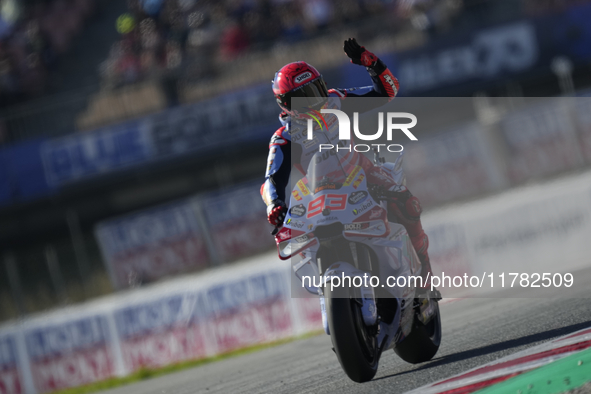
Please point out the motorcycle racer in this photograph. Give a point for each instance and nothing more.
(289, 146)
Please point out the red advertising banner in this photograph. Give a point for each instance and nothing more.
(449, 165)
(152, 244)
(260, 323)
(69, 354)
(164, 348)
(541, 141)
(71, 370)
(237, 222)
(10, 380)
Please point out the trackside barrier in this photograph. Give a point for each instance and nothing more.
(185, 235)
(536, 227)
(183, 319)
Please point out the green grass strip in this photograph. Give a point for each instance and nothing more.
(557, 377)
(148, 373)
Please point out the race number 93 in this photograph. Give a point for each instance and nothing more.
(336, 202)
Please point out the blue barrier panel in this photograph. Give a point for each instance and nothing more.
(21, 173)
(5, 179)
(81, 155)
(247, 115)
(27, 170)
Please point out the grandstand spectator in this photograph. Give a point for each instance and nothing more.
(235, 40)
(318, 13)
(291, 22)
(437, 16)
(201, 45)
(29, 45)
(207, 33)
(540, 7)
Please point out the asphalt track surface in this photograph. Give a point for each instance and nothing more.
(475, 331)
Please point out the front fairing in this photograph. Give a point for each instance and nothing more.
(332, 198)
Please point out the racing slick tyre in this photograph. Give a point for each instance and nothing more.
(423, 341)
(354, 343)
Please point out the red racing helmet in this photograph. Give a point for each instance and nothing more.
(299, 80)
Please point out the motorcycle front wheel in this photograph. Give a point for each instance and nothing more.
(354, 343)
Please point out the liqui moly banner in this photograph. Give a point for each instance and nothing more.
(69, 353)
(10, 379)
(184, 236)
(183, 319)
(541, 140)
(237, 222)
(450, 165)
(150, 244)
(160, 332)
(193, 324)
(255, 309)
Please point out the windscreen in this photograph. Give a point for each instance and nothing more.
(326, 171)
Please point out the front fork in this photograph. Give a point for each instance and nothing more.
(342, 273)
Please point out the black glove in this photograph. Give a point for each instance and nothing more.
(276, 212)
(359, 55)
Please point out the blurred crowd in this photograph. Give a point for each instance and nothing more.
(168, 37)
(539, 7)
(186, 40)
(32, 37)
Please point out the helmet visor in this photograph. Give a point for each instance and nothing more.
(311, 96)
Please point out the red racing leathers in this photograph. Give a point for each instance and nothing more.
(290, 147)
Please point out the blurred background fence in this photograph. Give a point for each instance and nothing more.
(134, 137)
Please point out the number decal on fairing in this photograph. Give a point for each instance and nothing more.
(316, 206)
(336, 202)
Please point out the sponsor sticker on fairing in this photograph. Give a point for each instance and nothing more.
(312, 142)
(376, 213)
(356, 226)
(297, 211)
(303, 188)
(358, 181)
(304, 238)
(328, 186)
(363, 208)
(284, 234)
(295, 223)
(357, 197)
(328, 219)
(352, 175)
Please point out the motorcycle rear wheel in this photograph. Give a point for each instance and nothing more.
(356, 348)
(423, 342)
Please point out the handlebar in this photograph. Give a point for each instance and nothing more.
(276, 229)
